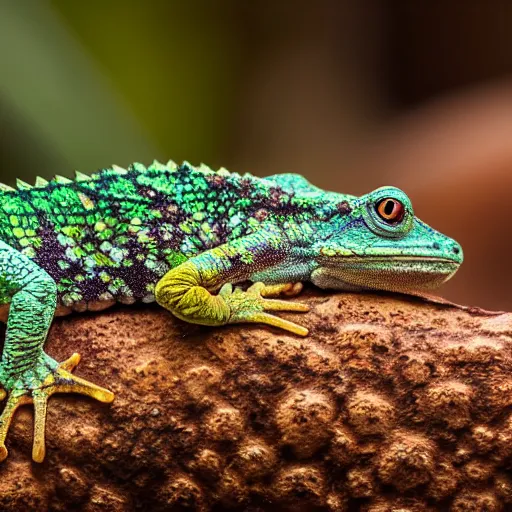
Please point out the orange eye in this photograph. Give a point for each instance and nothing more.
(390, 210)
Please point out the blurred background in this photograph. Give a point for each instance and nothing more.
(352, 94)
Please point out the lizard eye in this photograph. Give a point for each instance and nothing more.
(390, 210)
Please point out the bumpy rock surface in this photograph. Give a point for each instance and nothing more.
(391, 404)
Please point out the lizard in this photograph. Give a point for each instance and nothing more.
(188, 237)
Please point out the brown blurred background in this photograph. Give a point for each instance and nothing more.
(352, 94)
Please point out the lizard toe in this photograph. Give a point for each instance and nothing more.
(28, 390)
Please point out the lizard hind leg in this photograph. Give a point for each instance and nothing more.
(58, 380)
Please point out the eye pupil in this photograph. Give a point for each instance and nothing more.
(390, 210)
(389, 207)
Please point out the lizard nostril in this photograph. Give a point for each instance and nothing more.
(456, 249)
(436, 246)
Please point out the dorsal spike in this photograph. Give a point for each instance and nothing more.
(119, 170)
(157, 166)
(186, 163)
(62, 180)
(204, 168)
(223, 172)
(41, 182)
(80, 176)
(137, 166)
(6, 188)
(22, 185)
(172, 165)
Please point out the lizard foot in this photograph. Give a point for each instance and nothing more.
(287, 289)
(36, 387)
(252, 306)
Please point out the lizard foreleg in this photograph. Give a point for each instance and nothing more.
(186, 289)
(26, 372)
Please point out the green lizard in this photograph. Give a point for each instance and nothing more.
(183, 235)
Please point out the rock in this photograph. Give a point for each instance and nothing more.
(389, 402)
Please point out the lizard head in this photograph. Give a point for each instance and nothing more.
(380, 244)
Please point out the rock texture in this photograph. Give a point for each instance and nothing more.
(391, 404)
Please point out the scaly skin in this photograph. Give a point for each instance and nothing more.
(183, 236)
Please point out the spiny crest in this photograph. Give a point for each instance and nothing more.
(115, 170)
(80, 176)
(23, 185)
(119, 170)
(41, 182)
(6, 188)
(204, 168)
(137, 166)
(170, 166)
(223, 172)
(157, 166)
(201, 167)
(61, 180)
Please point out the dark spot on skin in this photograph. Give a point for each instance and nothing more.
(275, 196)
(215, 180)
(261, 214)
(436, 246)
(344, 208)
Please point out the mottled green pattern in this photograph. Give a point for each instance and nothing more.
(114, 234)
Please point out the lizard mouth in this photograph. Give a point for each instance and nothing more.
(393, 273)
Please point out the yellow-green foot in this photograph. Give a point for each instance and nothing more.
(252, 306)
(27, 390)
(286, 289)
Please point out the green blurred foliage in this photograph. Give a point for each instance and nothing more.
(88, 84)
(171, 62)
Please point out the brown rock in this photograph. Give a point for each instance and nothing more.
(300, 487)
(444, 481)
(370, 413)
(360, 482)
(255, 458)
(389, 404)
(476, 502)
(447, 402)
(224, 423)
(407, 461)
(304, 419)
(344, 446)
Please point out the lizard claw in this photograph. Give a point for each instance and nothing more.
(252, 306)
(57, 380)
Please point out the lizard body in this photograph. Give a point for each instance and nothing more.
(183, 235)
